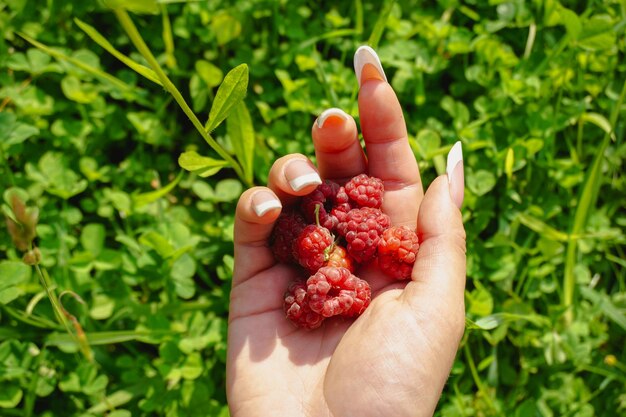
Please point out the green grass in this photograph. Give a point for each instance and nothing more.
(100, 109)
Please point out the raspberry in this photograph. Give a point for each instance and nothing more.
(361, 300)
(297, 307)
(334, 291)
(312, 247)
(287, 228)
(339, 257)
(362, 229)
(324, 196)
(342, 205)
(397, 250)
(365, 191)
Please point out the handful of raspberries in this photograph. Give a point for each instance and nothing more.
(330, 233)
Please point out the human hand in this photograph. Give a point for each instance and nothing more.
(394, 359)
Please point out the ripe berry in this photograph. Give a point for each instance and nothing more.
(342, 205)
(312, 247)
(335, 291)
(362, 229)
(365, 191)
(287, 228)
(297, 307)
(339, 257)
(397, 251)
(323, 197)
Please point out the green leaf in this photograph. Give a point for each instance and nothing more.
(492, 321)
(157, 242)
(542, 228)
(193, 366)
(209, 73)
(13, 132)
(78, 91)
(228, 190)
(600, 121)
(225, 27)
(135, 6)
(597, 33)
(92, 238)
(231, 92)
(603, 302)
(104, 43)
(110, 337)
(12, 275)
(201, 165)
(241, 133)
(571, 21)
(10, 394)
(141, 200)
(52, 172)
(101, 307)
(481, 182)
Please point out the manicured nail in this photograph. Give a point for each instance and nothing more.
(300, 174)
(367, 65)
(456, 178)
(264, 201)
(332, 113)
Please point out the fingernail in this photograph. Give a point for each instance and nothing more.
(456, 178)
(332, 113)
(264, 201)
(301, 174)
(367, 65)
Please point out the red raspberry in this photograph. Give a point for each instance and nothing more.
(397, 251)
(297, 307)
(312, 247)
(339, 257)
(324, 196)
(362, 229)
(335, 291)
(287, 228)
(362, 299)
(366, 191)
(342, 205)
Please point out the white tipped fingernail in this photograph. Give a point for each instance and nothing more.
(367, 65)
(264, 201)
(454, 157)
(456, 177)
(301, 174)
(330, 113)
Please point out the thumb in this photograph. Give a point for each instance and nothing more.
(438, 281)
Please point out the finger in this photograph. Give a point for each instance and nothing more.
(257, 210)
(438, 281)
(293, 176)
(390, 157)
(337, 148)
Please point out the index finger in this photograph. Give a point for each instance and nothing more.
(390, 156)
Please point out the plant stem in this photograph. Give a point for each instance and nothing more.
(476, 377)
(137, 40)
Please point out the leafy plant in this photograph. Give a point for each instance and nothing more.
(102, 103)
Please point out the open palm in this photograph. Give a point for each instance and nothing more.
(394, 359)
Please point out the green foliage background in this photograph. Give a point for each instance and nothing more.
(533, 89)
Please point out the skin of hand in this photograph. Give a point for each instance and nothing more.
(395, 358)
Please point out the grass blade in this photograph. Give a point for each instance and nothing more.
(141, 200)
(106, 45)
(586, 203)
(85, 67)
